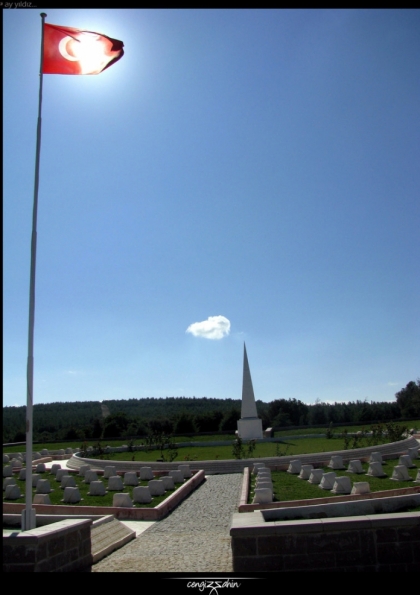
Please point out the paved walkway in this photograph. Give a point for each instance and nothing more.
(193, 538)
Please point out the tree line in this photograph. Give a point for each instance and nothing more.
(93, 420)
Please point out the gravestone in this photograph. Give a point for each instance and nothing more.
(305, 472)
(262, 496)
(146, 473)
(7, 471)
(9, 481)
(177, 475)
(375, 470)
(414, 453)
(142, 495)
(355, 466)
(40, 468)
(407, 461)
(83, 469)
(258, 466)
(316, 476)
(295, 467)
(96, 488)
(115, 483)
(35, 478)
(375, 457)
(168, 482)
(22, 474)
(131, 479)
(71, 495)
(336, 462)
(157, 487)
(43, 487)
(90, 476)
(361, 487)
(68, 481)
(41, 499)
(185, 470)
(122, 501)
(110, 471)
(5, 459)
(54, 468)
(45, 452)
(342, 485)
(12, 492)
(327, 481)
(417, 480)
(400, 473)
(61, 473)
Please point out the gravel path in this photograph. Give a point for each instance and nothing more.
(193, 538)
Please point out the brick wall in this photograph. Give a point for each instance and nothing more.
(389, 542)
(64, 546)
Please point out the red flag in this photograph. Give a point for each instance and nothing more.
(72, 51)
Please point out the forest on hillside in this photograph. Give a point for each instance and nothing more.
(86, 420)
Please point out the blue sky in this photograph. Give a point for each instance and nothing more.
(255, 171)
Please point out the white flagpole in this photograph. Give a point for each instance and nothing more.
(28, 514)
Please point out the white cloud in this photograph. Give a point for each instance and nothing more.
(215, 327)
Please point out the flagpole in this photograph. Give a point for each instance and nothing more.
(28, 514)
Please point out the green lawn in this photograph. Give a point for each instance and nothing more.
(56, 495)
(289, 487)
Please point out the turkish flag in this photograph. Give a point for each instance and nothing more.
(72, 51)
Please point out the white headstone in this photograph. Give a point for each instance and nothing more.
(110, 471)
(68, 481)
(258, 466)
(177, 475)
(9, 481)
(12, 492)
(407, 461)
(41, 499)
(115, 483)
(131, 479)
(54, 468)
(336, 462)
(316, 476)
(122, 501)
(68, 451)
(90, 476)
(168, 482)
(60, 473)
(141, 495)
(327, 481)
(146, 473)
(375, 457)
(22, 474)
(305, 471)
(35, 478)
(71, 495)
(414, 453)
(342, 485)
(5, 459)
(7, 471)
(185, 470)
(40, 468)
(295, 467)
(43, 486)
(375, 470)
(262, 496)
(400, 473)
(417, 480)
(45, 452)
(83, 469)
(361, 487)
(355, 466)
(157, 487)
(97, 488)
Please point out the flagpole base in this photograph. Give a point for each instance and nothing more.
(28, 519)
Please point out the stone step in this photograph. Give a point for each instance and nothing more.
(107, 535)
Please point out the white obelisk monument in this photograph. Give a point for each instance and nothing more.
(250, 425)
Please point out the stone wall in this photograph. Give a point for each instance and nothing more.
(63, 546)
(376, 543)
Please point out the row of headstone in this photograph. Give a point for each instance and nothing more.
(263, 491)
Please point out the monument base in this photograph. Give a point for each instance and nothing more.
(250, 428)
